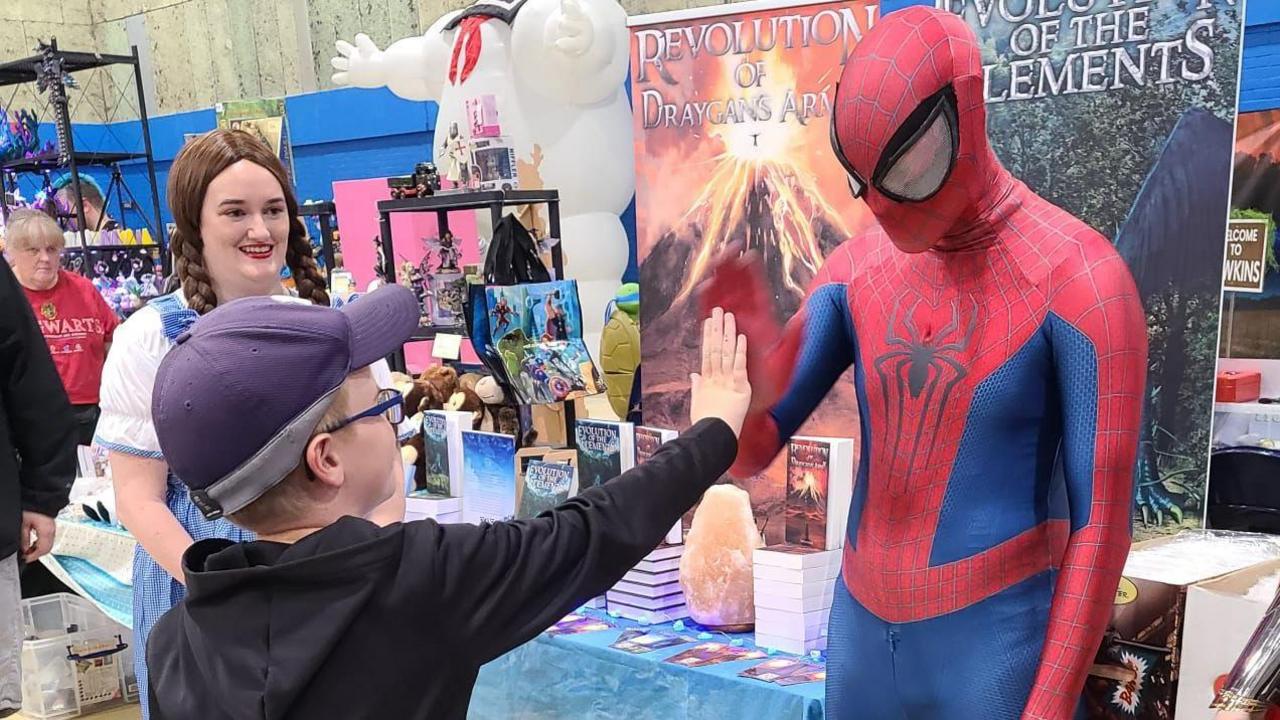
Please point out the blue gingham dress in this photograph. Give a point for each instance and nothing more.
(126, 427)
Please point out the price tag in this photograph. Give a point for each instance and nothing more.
(447, 346)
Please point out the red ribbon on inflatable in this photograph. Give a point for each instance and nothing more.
(466, 47)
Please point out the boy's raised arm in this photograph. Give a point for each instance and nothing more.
(498, 585)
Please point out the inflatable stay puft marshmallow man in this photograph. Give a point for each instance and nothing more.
(531, 92)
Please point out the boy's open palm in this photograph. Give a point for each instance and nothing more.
(721, 390)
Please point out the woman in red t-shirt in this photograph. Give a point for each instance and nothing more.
(76, 322)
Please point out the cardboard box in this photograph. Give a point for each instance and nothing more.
(1136, 671)
(1220, 620)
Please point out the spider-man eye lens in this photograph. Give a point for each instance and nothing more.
(857, 185)
(922, 153)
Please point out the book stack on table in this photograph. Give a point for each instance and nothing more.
(421, 505)
(650, 592)
(794, 590)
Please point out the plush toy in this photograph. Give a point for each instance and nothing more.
(465, 400)
(490, 393)
(469, 381)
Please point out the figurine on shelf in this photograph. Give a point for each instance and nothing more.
(419, 286)
(449, 253)
(457, 158)
(380, 264)
(427, 178)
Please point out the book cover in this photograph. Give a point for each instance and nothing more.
(648, 440)
(819, 491)
(435, 454)
(578, 624)
(442, 451)
(605, 450)
(489, 489)
(777, 668)
(545, 486)
(817, 673)
(639, 642)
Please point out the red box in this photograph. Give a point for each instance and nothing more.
(1238, 386)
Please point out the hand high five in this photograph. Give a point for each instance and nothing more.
(722, 389)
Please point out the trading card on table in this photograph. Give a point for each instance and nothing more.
(577, 624)
(817, 673)
(704, 654)
(639, 642)
(772, 670)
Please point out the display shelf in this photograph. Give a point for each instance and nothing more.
(49, 161)
(326, 214)
(49, 69)
(1252, 408)
(496, 202)
(429, 333)
(26, 69)
(453, 200)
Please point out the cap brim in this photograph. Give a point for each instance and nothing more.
(381, 322)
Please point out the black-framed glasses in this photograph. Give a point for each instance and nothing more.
(390, 405)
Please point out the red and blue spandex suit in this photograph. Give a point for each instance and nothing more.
(999, 355)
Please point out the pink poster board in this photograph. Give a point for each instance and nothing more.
(356, 202)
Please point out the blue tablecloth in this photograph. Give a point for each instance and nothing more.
(580, 676)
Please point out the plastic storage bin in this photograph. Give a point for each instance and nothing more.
(75, 660)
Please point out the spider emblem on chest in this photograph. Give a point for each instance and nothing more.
(918, 360)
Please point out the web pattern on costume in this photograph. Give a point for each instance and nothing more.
(1036, 314)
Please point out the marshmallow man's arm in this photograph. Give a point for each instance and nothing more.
(412, 68)
(574, 51)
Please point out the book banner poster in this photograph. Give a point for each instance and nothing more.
(731, 116)
(1119, 111)
(1251, 321)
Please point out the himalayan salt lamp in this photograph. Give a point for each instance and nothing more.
(716, 569)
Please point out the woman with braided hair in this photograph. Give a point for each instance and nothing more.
(237, 226)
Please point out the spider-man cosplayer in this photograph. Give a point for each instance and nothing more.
(999, 353)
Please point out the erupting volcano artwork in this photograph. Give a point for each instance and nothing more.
(732, 114)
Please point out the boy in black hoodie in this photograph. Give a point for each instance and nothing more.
(267, 411)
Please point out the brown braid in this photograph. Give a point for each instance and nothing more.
(189, 262)
(196, 165)
(300, 258)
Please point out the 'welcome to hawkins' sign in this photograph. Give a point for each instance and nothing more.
(1246, 255)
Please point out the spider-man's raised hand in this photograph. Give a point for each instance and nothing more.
(738, 286)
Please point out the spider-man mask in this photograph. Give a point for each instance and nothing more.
(910, 127)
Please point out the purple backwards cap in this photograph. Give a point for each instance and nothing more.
(239, 395)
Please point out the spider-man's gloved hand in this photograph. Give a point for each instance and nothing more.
(737, 285)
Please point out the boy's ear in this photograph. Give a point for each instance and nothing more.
(322, 460)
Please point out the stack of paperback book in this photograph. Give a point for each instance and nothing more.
(421, 504)
(794, 590)
(650, 592)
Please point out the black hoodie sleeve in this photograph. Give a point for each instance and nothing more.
(496, 586)
(35, 404)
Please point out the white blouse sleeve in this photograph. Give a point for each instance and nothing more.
(127, 380)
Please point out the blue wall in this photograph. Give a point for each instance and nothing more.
(344, 134)
(336, 135)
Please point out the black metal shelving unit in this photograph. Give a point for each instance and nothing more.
(51, 67)
(496, 202)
